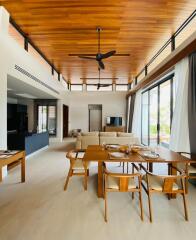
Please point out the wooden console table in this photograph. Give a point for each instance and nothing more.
(114, 129)
(11, 157)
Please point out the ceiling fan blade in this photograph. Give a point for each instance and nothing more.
(85, 57)
(101, 65)
(105, 85)
(108, 54)
(122, 54)
(81, 54)
(99, 78)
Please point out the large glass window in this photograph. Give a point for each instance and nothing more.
(121, 87)
(76, 87)
(47, 119)
(165, 111)
(157, 111)
(52, 120)
(145, 118)
(153, 121)
(42, 118)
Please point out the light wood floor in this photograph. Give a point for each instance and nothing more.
(40, 210)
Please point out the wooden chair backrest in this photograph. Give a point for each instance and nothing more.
(72, 155)
(123, 179)
(168, 182)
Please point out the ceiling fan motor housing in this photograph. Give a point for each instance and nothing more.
(98, 56)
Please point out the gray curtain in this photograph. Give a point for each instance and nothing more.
(131, 112)
(192, 103)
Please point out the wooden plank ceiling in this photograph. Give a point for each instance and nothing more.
(62, 27)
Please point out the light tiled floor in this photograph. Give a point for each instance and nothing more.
(40, 210)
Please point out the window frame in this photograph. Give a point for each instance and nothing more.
(47, 105)
(76, 84)
(123, 86)
(169, 78)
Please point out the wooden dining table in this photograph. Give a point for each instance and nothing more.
(100, 154)
(8, 157)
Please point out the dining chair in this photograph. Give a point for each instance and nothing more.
(188, 168)
(77, 167)
(119, 182)
(166, 184)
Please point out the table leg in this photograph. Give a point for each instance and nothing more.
(23, 169)
(100, 193)
(173, 172)
(150, 167)
(1, 174)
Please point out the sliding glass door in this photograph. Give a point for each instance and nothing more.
(153, 116)
(157, 111)
(145, 118)
(165, 112)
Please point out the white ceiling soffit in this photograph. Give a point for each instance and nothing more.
(19, 89)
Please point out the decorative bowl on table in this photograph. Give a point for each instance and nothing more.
(123, 149)
(112, 146)
(136, 148)
(114, 155)
(151, 155)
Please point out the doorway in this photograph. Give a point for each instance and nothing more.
(65, 121)
(95, 117)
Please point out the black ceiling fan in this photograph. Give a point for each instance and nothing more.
(99, 84)
(99, 56)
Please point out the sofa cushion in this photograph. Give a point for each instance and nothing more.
(107, 134)
(96, 134)
(89, 140)
(122, 134)
(119, 140)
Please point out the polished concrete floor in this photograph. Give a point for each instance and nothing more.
(39, 209)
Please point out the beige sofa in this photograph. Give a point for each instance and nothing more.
(96, 138)
(85, 139)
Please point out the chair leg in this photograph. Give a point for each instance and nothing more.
(85, 179)
(141, 205)
(150, 207)
(132, 195)
(184, 201)
(140, 199)
(67, 179)
(186, 185)
(105, 195)
(186, 179)
(185, 207)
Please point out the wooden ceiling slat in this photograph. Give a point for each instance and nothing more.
(62, 27)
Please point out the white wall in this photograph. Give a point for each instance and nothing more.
(113, 104)
(12, 53)
(4, 19)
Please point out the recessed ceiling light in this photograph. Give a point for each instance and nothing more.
(25, 95)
